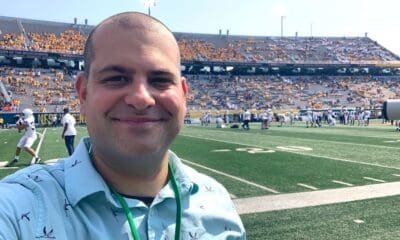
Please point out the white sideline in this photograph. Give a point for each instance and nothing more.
(315, 198)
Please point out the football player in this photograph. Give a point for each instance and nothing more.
(27, 123)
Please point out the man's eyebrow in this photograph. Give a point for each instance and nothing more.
(161, 72)
(115, 68)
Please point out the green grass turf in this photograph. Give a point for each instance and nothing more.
(379, 151)
(52, 146)
(331, 222)
(281, 171)
(343, 153)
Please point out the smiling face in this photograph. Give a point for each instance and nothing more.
(134, 97)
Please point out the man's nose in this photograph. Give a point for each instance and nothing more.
(139, 95)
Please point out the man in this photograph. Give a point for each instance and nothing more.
(264, 120)
(246, 119)
(54, 120)
(122, 182)
(69, 132)
(219, 122)
(331, 118)
(309, 118)
(26, 123)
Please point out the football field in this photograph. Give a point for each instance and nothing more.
(284, 161)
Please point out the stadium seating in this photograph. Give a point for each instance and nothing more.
(48, 89)
(69, 38)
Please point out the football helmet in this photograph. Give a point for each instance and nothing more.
(27, 112)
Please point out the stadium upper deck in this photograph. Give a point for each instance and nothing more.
(287, 73)
(35, 35)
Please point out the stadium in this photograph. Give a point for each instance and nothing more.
(289, 181)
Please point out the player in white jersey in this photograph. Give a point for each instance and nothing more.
(246, 119)
(270, 116)
(291, 118)
(361, 117)
(309, 118)
(28, 124)
(352, 117)
(69, 132)
(331, 118)
(346, 116)
(264, 120)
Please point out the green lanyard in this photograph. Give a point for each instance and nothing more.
(177, 192)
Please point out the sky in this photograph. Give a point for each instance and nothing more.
(343, 18)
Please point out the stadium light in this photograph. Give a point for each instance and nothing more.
(282, 17)
(281, 11)
(149, 4)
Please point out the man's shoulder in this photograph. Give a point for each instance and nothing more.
(26, 195)
(68, 117)
(35, 178)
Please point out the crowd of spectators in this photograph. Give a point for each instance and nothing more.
(312, 49)
(49, 90)
(193, 49)
(214, 47)
(69, 41)
(44, 90)
(12, 41)
(290, 92)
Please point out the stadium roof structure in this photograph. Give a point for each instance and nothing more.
(220, 53)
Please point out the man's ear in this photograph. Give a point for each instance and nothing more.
(81, 90)
(185, 86)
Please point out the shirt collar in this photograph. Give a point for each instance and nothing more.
(82, 179)
(182, 178)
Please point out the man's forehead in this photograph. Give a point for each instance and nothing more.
(133, 23)
(148, 32)
(137, 29)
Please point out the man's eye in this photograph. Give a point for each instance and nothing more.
(161, 82)
(115, 80)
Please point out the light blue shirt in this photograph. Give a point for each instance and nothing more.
(70, 200)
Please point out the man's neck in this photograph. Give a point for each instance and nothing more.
(134, 180)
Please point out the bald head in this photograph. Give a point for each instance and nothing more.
(130, 21)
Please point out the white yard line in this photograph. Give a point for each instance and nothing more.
(307, 186)
(343, 183)
(358, 221)
(3, 163)
(315, 198)
(374, 179)
(329, 141)
(296, 152)
(231, 176)
(311, 198)
(39, 145)
(396, 175)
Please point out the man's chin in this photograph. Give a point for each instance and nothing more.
(141, 149)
